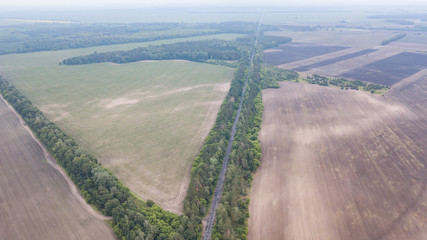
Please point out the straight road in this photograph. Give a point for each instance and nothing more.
(220, 185)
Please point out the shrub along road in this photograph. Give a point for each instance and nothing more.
(220, 185)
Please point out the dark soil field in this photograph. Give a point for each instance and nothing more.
(390, 70)
(409, 91)
(334, 60)
(336, 69)
(341, 164)
(292, 52)
(36, 201)
(363, 59)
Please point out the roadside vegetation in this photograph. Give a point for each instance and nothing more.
(232, 213)
(206, 167)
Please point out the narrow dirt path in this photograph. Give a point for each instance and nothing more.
(52, 162)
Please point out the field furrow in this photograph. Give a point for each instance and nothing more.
(36, 202)
(340, 165)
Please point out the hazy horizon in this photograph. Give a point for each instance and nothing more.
(67, 4)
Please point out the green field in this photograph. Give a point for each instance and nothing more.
(145, 121)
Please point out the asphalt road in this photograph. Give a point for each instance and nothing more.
(210, 222)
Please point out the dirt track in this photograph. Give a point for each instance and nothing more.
(36, 200)
(340, 165)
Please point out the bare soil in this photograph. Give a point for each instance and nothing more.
(338, 68)
(356, 38)
(334, 60)
(314, 60)
(37, 199)
(361, 57)
(411, 91)
(407, 46)
(341, 164)
(390, 70)
(292, 52)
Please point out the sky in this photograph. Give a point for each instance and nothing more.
(149, 3)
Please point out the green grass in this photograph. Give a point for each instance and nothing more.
(145, 121)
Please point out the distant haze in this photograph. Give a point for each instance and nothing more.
(147, 3)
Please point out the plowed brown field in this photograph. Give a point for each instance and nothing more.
(36, 202)
(341, 164)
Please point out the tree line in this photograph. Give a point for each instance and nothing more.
(209, 51)
(393, 39)
(265, 41)
(132, 218)
(271, 75)
(212, 51)
(198, 51)
(207, 165)
(233, 211)
(345, 84)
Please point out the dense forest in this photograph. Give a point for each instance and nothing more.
(23, 38)
(232, 213)
(198, 51)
